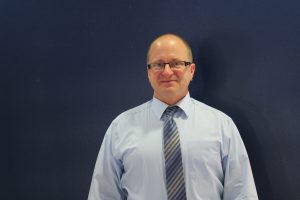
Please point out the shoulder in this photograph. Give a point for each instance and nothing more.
(133, 113)
(215, 119)
(121, 127)
(208, 110)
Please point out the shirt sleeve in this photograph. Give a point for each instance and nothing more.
(238, 182)
(107, 173)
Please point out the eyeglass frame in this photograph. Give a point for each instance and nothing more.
(171, 65)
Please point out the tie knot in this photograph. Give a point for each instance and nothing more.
(169, 112)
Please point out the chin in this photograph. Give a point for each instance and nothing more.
(168, 91)
(168, 88)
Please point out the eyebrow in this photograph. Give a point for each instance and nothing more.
(172, 60)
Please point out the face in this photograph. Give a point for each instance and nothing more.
(169, 86)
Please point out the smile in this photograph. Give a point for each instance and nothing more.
(168, 81)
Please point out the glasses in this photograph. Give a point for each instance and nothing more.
(174, 65)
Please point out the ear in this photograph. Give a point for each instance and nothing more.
(192, 70)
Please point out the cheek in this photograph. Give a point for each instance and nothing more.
(189, 77)
(152, 78)
(186, 78)
(182, 76)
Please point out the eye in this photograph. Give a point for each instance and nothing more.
(157, 66)
(177, 64)
(160, 65)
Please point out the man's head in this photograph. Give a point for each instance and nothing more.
(170, 81)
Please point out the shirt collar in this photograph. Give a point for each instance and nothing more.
(159, 107)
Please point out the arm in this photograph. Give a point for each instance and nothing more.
(107, 173)
(239, 182)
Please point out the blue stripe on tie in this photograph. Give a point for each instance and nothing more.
(173, 160)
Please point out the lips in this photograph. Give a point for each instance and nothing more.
(168, 81)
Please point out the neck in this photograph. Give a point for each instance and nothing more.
(170, 100)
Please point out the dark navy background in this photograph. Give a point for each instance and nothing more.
(68, 68)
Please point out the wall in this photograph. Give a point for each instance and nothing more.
(68, 68)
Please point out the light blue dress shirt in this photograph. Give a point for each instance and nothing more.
(130, 164)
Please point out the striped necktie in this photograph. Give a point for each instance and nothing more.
(173, 161)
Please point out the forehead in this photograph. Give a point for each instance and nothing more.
(167, 48)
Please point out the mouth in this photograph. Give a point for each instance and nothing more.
(167, 81)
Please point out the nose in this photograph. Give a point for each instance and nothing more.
(167, 70)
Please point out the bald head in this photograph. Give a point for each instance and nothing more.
(170, 84)
(169, 39)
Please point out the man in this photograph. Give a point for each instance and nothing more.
(172, 147)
